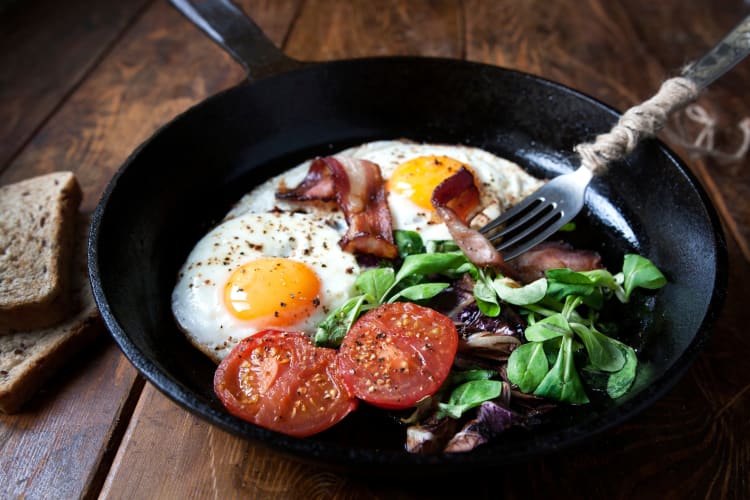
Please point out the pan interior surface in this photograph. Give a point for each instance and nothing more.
(183, 180)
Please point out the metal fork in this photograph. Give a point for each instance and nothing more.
(546, 210)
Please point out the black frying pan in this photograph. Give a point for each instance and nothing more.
(182, 180)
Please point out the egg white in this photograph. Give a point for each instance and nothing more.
(198, 301)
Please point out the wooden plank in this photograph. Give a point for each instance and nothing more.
(46, 49)
(55, 446)
(202, 461)
(548, 40)
(158, 69)
(328, 30)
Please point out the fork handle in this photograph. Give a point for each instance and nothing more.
(646, 119)
(723, 57)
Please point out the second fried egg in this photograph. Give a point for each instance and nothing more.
(411, 172)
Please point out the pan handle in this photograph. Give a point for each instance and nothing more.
(227, 25)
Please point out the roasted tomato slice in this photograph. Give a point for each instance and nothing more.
(397, 354)
(280, 381)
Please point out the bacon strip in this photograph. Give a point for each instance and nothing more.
(459, 190)
(532, 264)
(318, 184)
(358, 188)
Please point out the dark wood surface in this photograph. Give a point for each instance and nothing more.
(83, 82)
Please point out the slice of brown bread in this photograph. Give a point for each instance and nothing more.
(36, 242)
(28, 359)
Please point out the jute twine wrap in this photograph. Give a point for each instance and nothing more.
(704, 143)
(639, 122)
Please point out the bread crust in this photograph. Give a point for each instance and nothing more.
(36, 245)
(28, 359)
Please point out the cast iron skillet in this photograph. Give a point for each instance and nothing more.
(181, 181)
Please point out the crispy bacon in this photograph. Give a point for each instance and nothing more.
(531, 265)
(460, 190)
(358, 188)
(318, 184)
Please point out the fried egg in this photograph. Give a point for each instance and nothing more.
(258, 271)
(411, 172)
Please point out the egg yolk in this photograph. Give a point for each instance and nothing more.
(417, 178)
(279, 291)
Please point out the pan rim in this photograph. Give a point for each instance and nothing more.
(336, 454)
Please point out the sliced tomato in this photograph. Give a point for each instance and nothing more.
(397, 354)
(280, 381)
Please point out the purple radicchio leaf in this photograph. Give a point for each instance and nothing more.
(491, 420)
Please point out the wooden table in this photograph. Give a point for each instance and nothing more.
(83, 82)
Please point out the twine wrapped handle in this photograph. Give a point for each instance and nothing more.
(639, 122)
(646, 119)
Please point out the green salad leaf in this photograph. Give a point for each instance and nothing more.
(562, 382)
(408, 242)
(486, 298)
(469, 395)
(332, 330)
(375, 283)
(620, 382)
(558, 322)
(528, 365)
(604, 352)
(422, 291)
(431, 263)
(640, 272)
(509, 291)
(548, 328)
